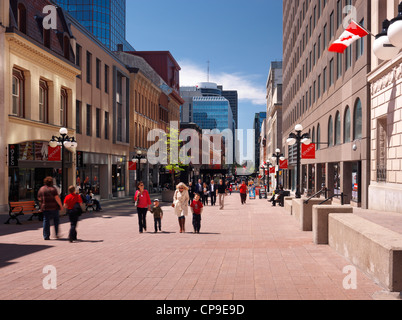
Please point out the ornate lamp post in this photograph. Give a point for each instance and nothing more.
(279, 157)
(139, 157)
(299, 139)
(63, 141)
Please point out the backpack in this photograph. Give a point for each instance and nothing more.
(77, 209)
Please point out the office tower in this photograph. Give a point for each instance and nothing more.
(106, 19)
(233, 98)
(258, 121)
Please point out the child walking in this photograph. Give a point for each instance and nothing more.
(158, 215)
(197, 208)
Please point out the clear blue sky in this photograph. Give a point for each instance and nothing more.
(240, 39)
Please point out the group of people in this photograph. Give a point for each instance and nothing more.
(209, 191)
(185, 198)
(50, 205)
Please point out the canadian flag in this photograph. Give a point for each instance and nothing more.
(352, 33)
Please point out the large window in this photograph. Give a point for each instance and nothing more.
(346, 126)
(63, 108)
(318, 137)
(357, 120)
(18, 93)
(43, 101)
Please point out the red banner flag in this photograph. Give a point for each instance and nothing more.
(54, 154)
(308, 151)
(284, 165)
(272, 170)
(132, 166)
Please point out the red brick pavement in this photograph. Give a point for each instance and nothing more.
(250, 252)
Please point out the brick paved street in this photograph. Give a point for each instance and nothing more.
(251, 252)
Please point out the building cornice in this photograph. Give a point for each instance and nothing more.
(28, 50)
(387, 73)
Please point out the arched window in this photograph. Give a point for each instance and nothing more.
(330, 132)
(318, 136)
(357, 120)
(313, 136)
(346, 126)
(338, 129)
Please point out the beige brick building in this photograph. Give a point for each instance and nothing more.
(37, 98)
(327, 94)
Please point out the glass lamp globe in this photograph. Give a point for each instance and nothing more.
(299, 127)
(67, 144)
(395, 30)
(53, 144)
(382, 47)
(291, 141)
(63, 131)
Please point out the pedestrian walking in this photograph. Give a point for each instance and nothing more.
(158, 215)
(197, 208)
(50, 206)
(143, 203)
(243, 192)
(191, 192)
(75, 206)
(212, 192)
(180, 204)
(205, 192)
(221, 194)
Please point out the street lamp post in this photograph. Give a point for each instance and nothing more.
(139, 157)
(298, 138)
(279, 157)
(63, 141)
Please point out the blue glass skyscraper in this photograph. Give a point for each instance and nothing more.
(106, 19)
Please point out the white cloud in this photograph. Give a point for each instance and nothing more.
(248, 91)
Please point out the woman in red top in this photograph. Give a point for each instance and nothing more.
(143, 205)
(73, 211)
(243, 192)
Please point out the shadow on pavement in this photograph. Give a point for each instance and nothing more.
(9, 252)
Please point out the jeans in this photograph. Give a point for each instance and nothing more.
(243, 197)
(197, 222)
(73, 217)
(47, 216)
(158, 221)
(142, 218)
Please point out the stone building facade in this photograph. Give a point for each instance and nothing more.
(385, 191)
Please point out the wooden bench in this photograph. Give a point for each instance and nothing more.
(21, 208)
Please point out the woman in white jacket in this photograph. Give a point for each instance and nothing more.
(180, 204)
